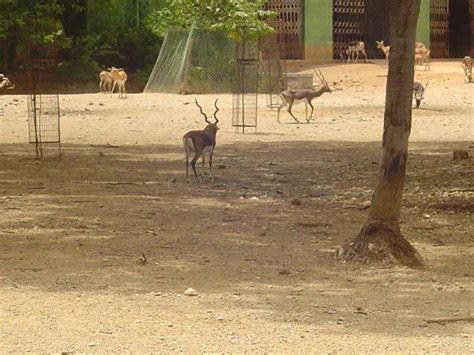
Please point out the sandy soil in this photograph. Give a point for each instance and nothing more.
(257, 245)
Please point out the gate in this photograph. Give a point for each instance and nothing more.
(439, 28)
(289, 27)
(348, 24)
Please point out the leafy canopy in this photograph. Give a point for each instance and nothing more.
(234, 17)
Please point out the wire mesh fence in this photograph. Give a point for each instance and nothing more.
(44, 121)
(195, 61)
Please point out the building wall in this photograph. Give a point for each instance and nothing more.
(423, 27)
(318, 29)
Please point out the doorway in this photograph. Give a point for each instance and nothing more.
(459, 28)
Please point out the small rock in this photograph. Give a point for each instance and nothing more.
(460, 154)
(254, 198)
(426, 216)
(296, 202)
(220, 318)
(157, 293)
(222, 166)
(173, 180)
(191, 292)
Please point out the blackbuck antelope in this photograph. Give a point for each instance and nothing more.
(467, 67)
(5, 83)
(353, 51)
(119, 78)
(419, 92)
(106, 81)
(292, 97)
(201, 143)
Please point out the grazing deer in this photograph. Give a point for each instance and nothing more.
(292, 97)
(467, 67)
(106, 81)
(6, 83)
(119, 78)
(419, 92)
(201, 143)
(353, 51)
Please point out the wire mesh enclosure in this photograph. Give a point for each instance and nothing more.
(289, 26)
(272, 79)
(439, 28)
(44, 121)
(348, 24)
(44, 114)
(195, 61)
(245, 97)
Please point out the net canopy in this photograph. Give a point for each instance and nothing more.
(195, 61)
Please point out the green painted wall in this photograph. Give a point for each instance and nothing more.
(318, 29)
(423, 27)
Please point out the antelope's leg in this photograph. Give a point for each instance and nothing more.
(312, 109)
(278, 113)
(100, 86)
(124, 90)
(210, 164)
(357, 57)
(349, 55)
(187, 166)
(113, 88)
(193, 164)
(365, 55)
(290, 106)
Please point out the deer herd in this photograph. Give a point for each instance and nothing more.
(202, 142)
(112, 78)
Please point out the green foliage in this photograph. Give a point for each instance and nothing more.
(236, 18)
(84, 36)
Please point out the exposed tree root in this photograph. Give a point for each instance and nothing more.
(381, 242)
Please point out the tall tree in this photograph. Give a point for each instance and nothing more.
(380, 238)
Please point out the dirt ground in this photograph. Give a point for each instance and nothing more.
(257, 245)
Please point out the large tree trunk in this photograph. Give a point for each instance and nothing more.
(380, 238)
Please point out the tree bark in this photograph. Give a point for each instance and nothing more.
(380, 238)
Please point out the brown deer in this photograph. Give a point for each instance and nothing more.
(106, 81)
(119, 78)
(6, 83)
(201, 143)
(353, 51)
(420, 49)
(467, 67)
(292, 97)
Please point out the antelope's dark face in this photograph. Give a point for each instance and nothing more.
(418, 92)
(6, 83)
(212, 128)
(324, 88)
